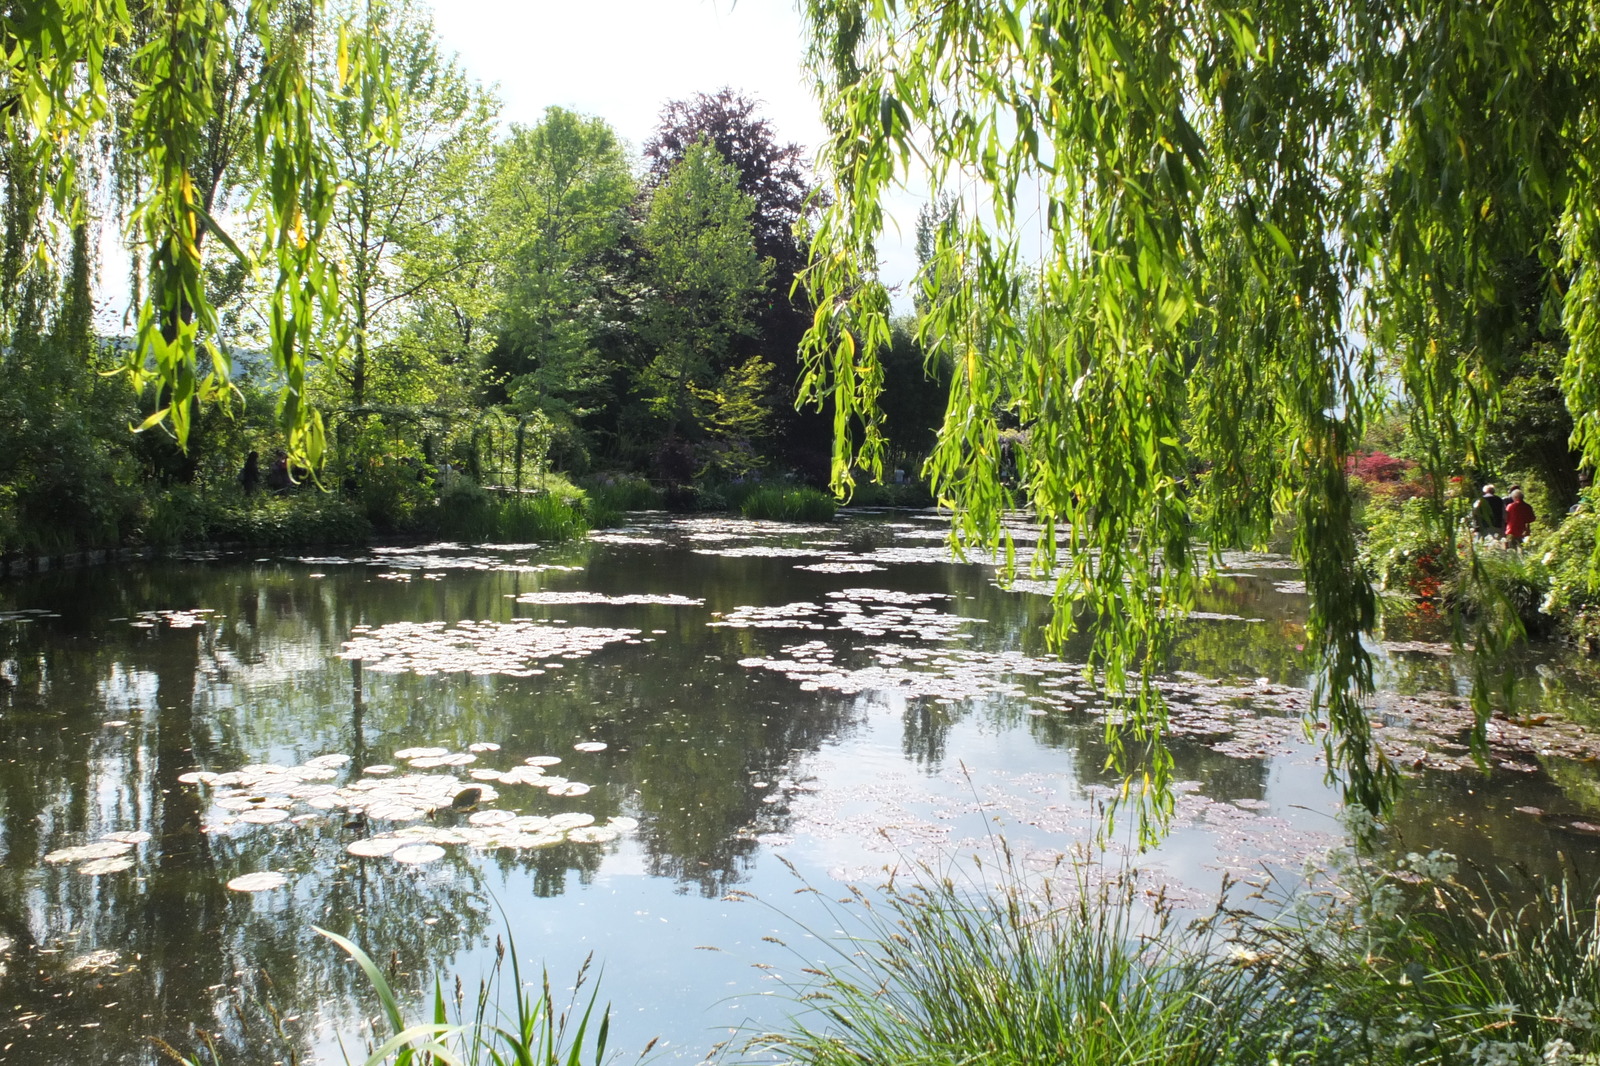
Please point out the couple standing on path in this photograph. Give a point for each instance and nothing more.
(1509, 518)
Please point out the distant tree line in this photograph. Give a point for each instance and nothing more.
(417, 290)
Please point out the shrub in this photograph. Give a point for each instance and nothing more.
(887, 494)
(611, 498)
(467, 512)
(1504, 583)
(310, 518)
(1573, 595)
(789, 504)
(387, 475)
(1403, 548)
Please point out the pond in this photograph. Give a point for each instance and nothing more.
(629, 748)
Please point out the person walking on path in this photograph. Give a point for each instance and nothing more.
(1519, 516)
(1488, 513)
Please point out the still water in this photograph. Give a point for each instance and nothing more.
(630, 748)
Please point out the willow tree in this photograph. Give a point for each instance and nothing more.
(147, 82)
(1195, 244)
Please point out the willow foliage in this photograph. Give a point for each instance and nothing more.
(1193, 240)
(149, 82)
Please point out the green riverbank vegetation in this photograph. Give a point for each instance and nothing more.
(513, 321)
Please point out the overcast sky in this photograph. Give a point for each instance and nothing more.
(624, 59)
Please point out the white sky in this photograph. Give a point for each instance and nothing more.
(623, 60)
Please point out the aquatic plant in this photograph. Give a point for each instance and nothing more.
(533, 1031)
(470, 513)
(1084, 965)
(987, 965)
(609, 500)
(789, 504)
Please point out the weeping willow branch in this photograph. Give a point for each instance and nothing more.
(1196, 245)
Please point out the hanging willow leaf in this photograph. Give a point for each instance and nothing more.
(57, 99)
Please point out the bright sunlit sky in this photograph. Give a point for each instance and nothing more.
(623, 60)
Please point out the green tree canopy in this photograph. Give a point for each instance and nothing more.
(703, 274)
(560, 209)
(1243, 215)
(411, 137)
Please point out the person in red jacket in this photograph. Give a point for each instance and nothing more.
(1519, 516)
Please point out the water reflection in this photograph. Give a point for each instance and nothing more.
(907, 709)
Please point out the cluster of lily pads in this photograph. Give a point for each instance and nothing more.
(27, 614)
(266, 793)
(173, 619)
(869, 612)
(554, 598)
(442, 556)
(483, 647)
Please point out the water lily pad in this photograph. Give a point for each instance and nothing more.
(590, 745)
(593, 834)
(197, 777)
(542, 760)
(379, 769)
(264, 815)
(99, 867)
(623, 824)
(374, 847)
(416, 854)
(483, 745)
(421, 753)
(264, 881)
(393, 812)
(105, 849)
(571, 788)
(133, 836)
(491, 818)
(330, 762)
(571, 820)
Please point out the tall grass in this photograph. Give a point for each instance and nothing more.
(532, 1032)
(789, 504)
(1010, 969)
(609, 500)
(1062, 970)
(467, 512)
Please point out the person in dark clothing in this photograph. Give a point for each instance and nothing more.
(1489, 514)
(278, 479)
(250, 476)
